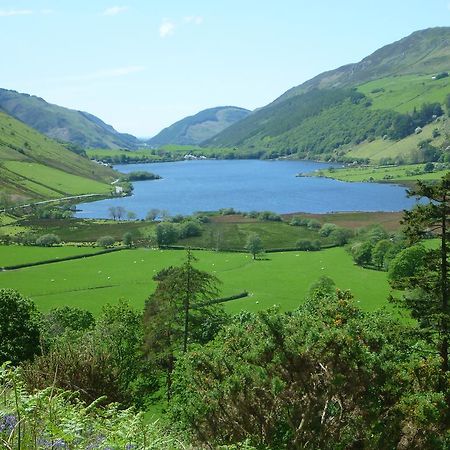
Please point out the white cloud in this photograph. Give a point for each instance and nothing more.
(196, 20)
(114, 10)
(166, 28)
(15, 12)
(106, 73)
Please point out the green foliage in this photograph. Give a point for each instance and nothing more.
(127, 239)
(105, 241)
(307, 245)
(362, 253)
(424, 272)
(141, 175)
(178, 313)
(409, 263)
(48, 240)
(326, 229)
(101, 359)
(55, 418)
(19, 327)
(315, 122)
(254, 245)
(166, 233)
(323, 286)
(64, 319)
(405, 124)
(326, 376)
(380, 251)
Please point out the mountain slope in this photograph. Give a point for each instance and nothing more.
(195, 129)
(339, 109)
(64, 124)
(422, 52)
(33, 166)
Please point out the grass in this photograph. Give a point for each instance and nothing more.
(20, 145)
(15, 254)
(404, 93)
(281, 278)
(61, 183)
(379, 148)
(407, 173)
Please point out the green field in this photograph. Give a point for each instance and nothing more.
(58, 172)
(281, 278)
(17, 254)
(401, 174)
(380, 148)
(50, 179)
(404, 93)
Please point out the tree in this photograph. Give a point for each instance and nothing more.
(127, 239)
(112, 211)
(19, 327)
(152, 214)
(325, 376)
(308, 245)
(175, 312)
(326, 229)
(362, 253)
(254, 244)
(131, 215)
(429, 299)
(48, 240)
(379, 252)
(407, 265)
(120, 212)
(166, 234)
(66, 318)
(105, 241)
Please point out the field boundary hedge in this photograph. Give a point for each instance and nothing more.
(57, 260)
(221, 300)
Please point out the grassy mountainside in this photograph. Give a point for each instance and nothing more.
(64, 124)
(350, 106)
(195, 129)
(32, 166)
(422, 52)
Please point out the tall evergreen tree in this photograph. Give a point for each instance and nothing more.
(429, 299)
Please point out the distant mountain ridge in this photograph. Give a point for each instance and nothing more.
(57, 122)
(422, 52)
(193, 130)
(344, 107)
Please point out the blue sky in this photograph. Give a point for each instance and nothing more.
(141, 65)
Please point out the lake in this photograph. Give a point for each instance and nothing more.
(247, 185)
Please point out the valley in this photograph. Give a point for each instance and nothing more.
(243, 278)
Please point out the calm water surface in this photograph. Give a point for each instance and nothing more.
(246, 185)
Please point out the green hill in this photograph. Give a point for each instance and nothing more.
(195, 129)
(63, 124)
(33, 166)
(356, 104)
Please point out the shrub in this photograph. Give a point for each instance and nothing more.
(190, 229)
(48, 240)
(326, 229)
(307, 245)
(105, 241)
(313, 224)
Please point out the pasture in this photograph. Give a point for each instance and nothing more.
(18, 254)
(62, 183)
(404, 93)
(402, 174)
(279, 278)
